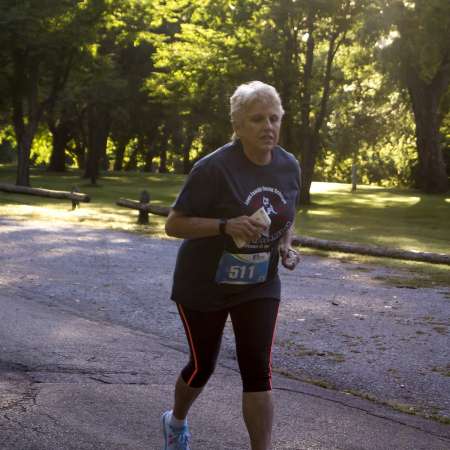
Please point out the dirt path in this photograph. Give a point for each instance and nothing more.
(340, 324)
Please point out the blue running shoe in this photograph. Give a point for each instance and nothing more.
(174, 438)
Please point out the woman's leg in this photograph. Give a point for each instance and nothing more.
(184, 398)
(257, 408)
(204, 333)
(254, 328)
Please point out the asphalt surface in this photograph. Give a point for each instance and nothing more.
(90, 347)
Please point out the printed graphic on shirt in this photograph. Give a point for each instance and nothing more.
(268, 207)
(276, 206)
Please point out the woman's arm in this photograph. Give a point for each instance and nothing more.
(185, 227)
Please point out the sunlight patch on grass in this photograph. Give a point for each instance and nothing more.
(108, 218)
(320, 212)
(384, 202)
(319, 187)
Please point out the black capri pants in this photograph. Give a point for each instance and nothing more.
(254, 330)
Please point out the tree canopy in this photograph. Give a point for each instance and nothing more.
(145, 84)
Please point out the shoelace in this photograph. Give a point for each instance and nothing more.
(182, 437)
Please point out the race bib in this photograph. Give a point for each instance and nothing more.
(242, 268)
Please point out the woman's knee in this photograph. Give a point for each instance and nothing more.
(256, 372)
(197, 376)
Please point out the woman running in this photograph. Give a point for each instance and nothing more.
(236, 215)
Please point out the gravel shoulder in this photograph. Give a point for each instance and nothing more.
(340, 324)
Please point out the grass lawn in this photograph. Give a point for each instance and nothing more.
(399, 218)
(102, 210)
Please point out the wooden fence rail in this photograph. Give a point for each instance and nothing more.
(75, 196)
(371, 250)
(144, 207)
(324, 244)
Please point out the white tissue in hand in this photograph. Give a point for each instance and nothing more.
(263, 218)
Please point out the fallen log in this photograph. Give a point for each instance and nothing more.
(371, 250)
(40, 192)
(340, 246)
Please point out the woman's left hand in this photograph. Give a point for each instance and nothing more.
(289, 257)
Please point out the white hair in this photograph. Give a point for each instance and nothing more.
(246, 94)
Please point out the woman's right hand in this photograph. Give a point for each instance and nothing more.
(244, 228)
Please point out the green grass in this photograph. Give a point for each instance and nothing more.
(399, 218)
(102, 210)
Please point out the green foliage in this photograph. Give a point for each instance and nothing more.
(194, 67)
(364, 127)
(417, 36)
(163, 71)
(42, 147)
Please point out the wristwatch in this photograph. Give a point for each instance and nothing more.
(222, 225)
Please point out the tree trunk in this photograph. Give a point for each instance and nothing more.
(98, 123)
(310, 148)
(148, 166)
(24, 143)
(186, 159)
(93, 156)
(80, 154)
(310, 131)
(162, 149)
(163, 161)
(189, 138)
(152, 136)
(60, 137)
(25, 84)
(288, 74)
(354, 176)
(288, 140)
(306, 159)
(120, 153)
(81, 139)
(431, 177)
(132, 162)
(25, 126)
(104, 160)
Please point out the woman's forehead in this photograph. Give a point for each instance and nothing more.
(265, 106)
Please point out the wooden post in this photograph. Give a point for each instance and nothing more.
(354, 176)
(75, 202)
(144, 199)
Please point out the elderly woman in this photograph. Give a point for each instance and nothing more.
(236, 214)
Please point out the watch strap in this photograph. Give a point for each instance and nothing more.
(222, 225)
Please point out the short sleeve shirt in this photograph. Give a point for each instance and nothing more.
(226, 184)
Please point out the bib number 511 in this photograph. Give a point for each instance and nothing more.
(241, 272)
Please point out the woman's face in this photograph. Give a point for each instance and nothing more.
(259, 128)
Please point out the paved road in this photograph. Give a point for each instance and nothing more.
(90, 346)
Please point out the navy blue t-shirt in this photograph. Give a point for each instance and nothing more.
(226, 184)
